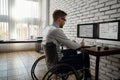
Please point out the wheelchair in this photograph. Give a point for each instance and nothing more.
(57, 70)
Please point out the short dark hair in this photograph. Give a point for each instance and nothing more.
(58, 13)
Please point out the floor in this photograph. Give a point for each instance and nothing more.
(17, 65)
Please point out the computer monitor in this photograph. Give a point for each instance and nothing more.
(87, 30)
(109, 30)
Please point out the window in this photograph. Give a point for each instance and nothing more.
(34, 31)
(20, 19)
(3, 19)
(21, 31)
(28, 12)
(26, 9)
(3, 7)
(3, 31)
(25, 31)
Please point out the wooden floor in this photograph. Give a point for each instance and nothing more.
(17, 65)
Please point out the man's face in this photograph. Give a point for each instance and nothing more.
(62, 21)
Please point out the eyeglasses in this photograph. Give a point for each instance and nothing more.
(63, 19)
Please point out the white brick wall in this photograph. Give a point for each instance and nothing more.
(115, 6)
(104, 8)
(102, 1)
(111, 11)
(88, 11)
(100, 5)
(116, 15)
(110, 2)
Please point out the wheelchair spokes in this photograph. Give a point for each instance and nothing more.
(61, 72)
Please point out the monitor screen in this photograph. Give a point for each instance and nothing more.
(108, 30)
(86, 30)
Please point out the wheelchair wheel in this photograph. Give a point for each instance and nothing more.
(62, 72)
(37, 69)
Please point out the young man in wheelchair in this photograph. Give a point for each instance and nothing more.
(55, 34)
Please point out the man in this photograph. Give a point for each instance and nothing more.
(55, 34)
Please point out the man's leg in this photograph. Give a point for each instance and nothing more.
(78, 61)
(86, 60)
(87, 66)
(75, 60)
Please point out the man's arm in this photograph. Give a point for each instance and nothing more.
(61, 38)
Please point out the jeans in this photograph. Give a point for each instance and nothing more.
(76, 60)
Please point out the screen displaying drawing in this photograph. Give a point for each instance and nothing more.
(108, 30)
(86, 30)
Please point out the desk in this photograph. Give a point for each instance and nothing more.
(93, 51)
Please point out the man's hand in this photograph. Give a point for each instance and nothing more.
(82, 43)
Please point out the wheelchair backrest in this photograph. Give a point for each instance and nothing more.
(51, 54)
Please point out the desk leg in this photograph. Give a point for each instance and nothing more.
(97, 68)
